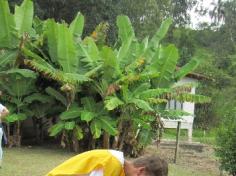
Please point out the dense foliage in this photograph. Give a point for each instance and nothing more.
(216, 43)
(226, 141)
(82, 89)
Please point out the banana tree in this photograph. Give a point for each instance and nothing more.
(67, 61)
(132, 107)
(17, 84)
(66, 58)
(39, 108)
(138, 78)
(89, 119)
(100, 88)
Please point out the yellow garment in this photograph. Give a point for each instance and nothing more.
(89, 161)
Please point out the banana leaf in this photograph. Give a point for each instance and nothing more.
(19, 82)
(126, 34)
(96, 128)
(186, 69)
(165, 64)
(57, 128)
(57, 95)
(69, 125)
(77, 25)
(112, 103)
(8, 36)
(15, 117)
(24, 17)
(87, 115)
(70, 114)
(61, 45)
(107, 125)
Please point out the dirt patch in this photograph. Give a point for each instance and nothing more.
(202, 160)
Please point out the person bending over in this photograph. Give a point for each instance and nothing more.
(103, 162)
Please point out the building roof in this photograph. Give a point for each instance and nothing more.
(195, 75)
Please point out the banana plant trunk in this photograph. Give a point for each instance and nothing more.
(75, 143)
(18, 135)
(117, 137)
(106, 140)
(93, 143)
(36, 131)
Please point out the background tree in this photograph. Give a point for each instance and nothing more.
(145, 16)
(218, 41)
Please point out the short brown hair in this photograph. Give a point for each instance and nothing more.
(154, 165)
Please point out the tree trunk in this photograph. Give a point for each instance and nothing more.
(36, 132)
(121, 142)
(18, 135)
(75, 142)
(75, 145)
(159, 126)
(93, 143)
(116, 139)
(115, 142)
(41, 135)
(106, 140)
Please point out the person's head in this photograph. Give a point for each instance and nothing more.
(147, 166)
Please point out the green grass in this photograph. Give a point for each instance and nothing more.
(198, 135)
(31, 162)
(38, 161)
(176, 170)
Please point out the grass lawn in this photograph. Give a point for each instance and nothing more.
(176, 170)
(38, 161)
(31, 161)
(198, 135)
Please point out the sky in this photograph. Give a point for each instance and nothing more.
(196, 18)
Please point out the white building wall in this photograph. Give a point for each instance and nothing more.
(186, 121)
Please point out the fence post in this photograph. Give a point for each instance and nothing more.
(177, 141)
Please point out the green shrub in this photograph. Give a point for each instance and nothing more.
(226, 140)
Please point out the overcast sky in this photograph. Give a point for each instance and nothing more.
(196, 18)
